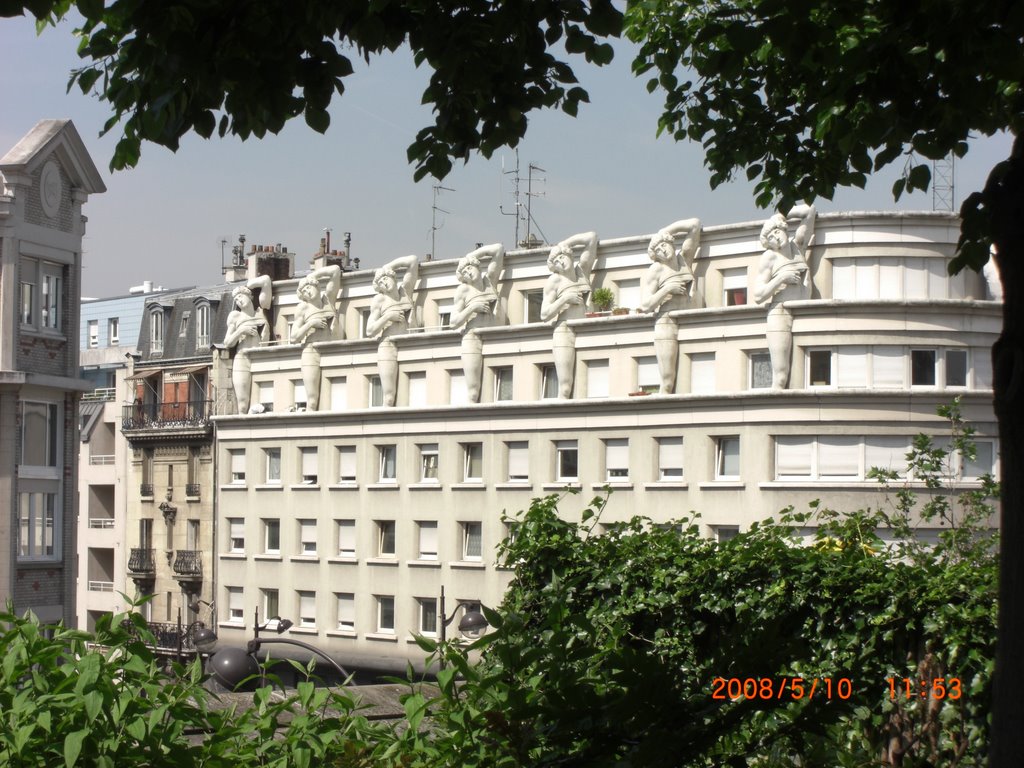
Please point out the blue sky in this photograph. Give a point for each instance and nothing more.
(603, 171)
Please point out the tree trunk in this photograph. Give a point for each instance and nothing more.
(1005, 195)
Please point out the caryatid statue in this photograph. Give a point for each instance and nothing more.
(391, 314)
(565, 298)
(476, 306)
(668, 285)
(248, 326)
(316, 319)
(783, 275)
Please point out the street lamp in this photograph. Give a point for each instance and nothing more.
(471, 625)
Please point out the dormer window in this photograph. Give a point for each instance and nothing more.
(202, 325)
(156, 330)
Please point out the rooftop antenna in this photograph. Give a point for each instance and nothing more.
(530, 194)
(238, 252)
(433, 221)
(515, 191)
(523, 211)
(943, 189)
(223, 242)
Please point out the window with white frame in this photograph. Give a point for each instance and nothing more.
(566, 461)
(339, 393)
(427, 534)
(819, 368)
(702, 373)
(41, 296)
(202, 325)
(427, 610)
(236, 465)
(726, 532)
(41, 434)
(376, 391)
(616, 459)
(346, 533)
(94, 333)
(734, 287)
(387, 454)
(156, 330)
(956, 367)
(472, 540)
(648, 375)
(346, 611)
(839, 457)
(272, 536)
(307, 609)
(597, 378)
(922, 367)
(727, 458)
(532, 302)
(385, 538)
(445, 308)
(473, 465)
(982, 463)
(265, 395)
(28, 286)
(503, 383)
(886, 452)
(627, 293)
(760, 370)
(39, 518)
(518, 461)
(346, 463)
(236, 606)
(888, 366)
(299, 395)
(113, 331)
(866, 278)
(386, 614)
(271, 600)
(364, 321)
(236, 535)
(548, 382)
(307, 538)
(457, 392)
(670, 459)
(183, 326)
(309, 464)
(428, 463)
(273, 456)
(417, 389)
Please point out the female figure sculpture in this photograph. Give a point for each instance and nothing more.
(316, 319)
(476, 305)
(565, 297)
(390, 315)
(248, 326)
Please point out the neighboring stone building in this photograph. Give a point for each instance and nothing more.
(350, 517)
(44, 182)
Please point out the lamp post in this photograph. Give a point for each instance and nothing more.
(471, 625)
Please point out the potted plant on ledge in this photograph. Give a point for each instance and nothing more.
(601, 300)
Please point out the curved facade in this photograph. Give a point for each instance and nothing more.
(350, 519)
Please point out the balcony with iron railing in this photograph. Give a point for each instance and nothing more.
(142, 562)
(188, 565)
(184, 416)
(192, 490)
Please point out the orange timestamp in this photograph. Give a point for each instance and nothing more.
(938, 688)
(781, 688)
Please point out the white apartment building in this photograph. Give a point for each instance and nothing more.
(349, 518)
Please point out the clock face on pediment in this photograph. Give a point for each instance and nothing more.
(51, 189)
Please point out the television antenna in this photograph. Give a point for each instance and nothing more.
(523, 211)
(436, 209)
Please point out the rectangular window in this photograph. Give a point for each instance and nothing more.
(156, 330)
(418, 389)
(427, 607)
(273, 465)
(503, 383)
(983, 462)
(38, 513)
(726, 532)
(888, 452)
(387, 463)
(922, 367)
(346, 463)
(548, 382)
(597, 378)
(566, 461)
(518, 461)
(385, 538)
(298, 396)
(236, 608)
(29, 281)
(444, 312)
(113, 331)
(309, 461)
(474, 462)
(734, 287)
(956, 367)
(339, 393)
(94, 333)
(427, 531)
(236, 465)
(428, 463)
(852, 366)
(265, 395)
(839, 457)
(376, 397)
(236, 535)
(272, 537)
(702, 373)
(616, 453)
(648, 375)
(628, 293)
(183, 327)
(819, 368)
(307, 538)
(346, 607)
(307, 609)
(271, 603)
(386, 614)
(52, 303)
(346, 538)
(760, 370)
(39, 434)
(532, 302)
(727, 458)
(472, 546)
(670, 459)
(364, 321)
(457, 392)
(203, 326)
(887, 366)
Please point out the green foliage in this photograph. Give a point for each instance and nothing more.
(602, 299)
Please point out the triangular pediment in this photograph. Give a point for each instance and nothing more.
(60, 140)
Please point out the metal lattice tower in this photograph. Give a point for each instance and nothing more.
(943, 191)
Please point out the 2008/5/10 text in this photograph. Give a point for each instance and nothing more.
(793, 688)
